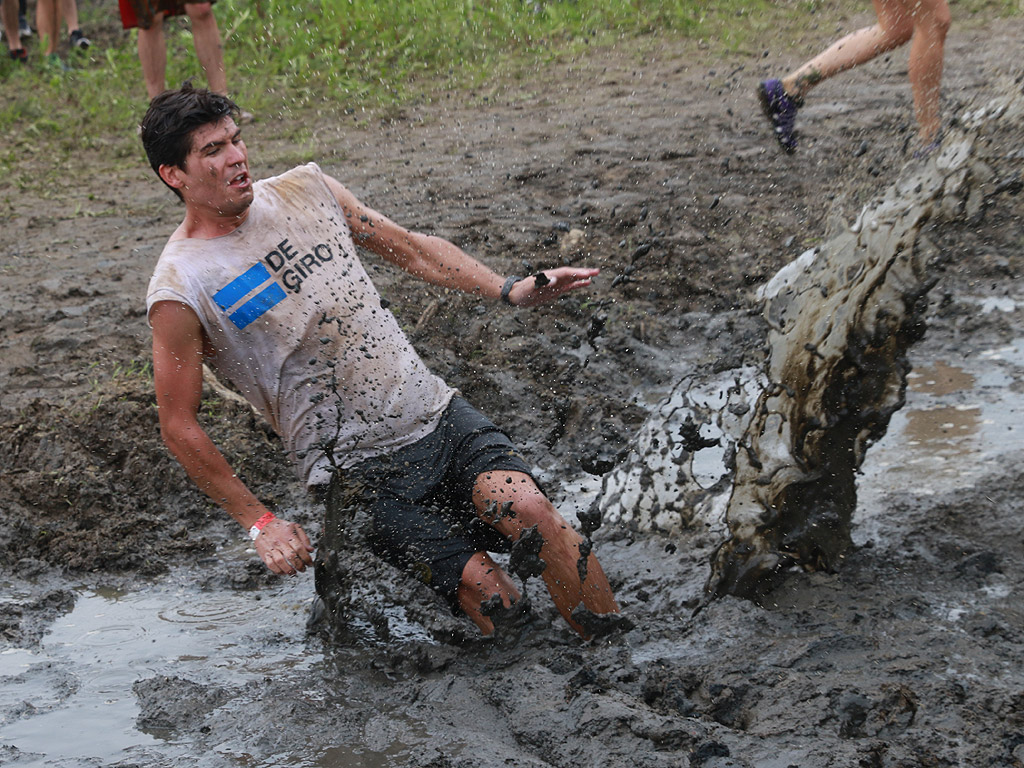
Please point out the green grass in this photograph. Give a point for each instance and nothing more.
(287, 60)
(346, 53)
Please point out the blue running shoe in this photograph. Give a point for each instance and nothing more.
(780, 108)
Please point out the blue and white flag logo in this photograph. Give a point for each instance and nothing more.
(241, 287)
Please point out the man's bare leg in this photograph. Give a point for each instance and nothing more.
(925, 22)
(560, 551)
(206, 36)
(931, 23)
(48, 24)
(69, 10)
(9, 14)
(153, 57)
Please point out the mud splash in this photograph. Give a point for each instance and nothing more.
(789, 438)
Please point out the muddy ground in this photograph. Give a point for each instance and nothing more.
(909, 655)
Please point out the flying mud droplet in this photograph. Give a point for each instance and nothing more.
(641, 250)
(573, 243)
(524, 559)
(590, 520)
(693, 441)
(493, 513)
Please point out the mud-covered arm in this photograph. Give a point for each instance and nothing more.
(440, 262)
(178, 378)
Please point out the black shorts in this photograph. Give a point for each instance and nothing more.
(420, 498)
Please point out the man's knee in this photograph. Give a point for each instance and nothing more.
(478, 571)
(897, 32)
(199, 12)
(941, 20)
(933, 17)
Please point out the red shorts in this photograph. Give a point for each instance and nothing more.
(141, 13)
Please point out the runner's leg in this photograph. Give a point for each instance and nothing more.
(931, 22)
(153, 56)
(69, 10)
(208, 47)
(9, 13)
(895, 27)
(48, 24)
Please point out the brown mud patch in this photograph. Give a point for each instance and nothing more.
(909, 655)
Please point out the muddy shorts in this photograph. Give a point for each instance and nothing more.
(420, 498)
(140, 13)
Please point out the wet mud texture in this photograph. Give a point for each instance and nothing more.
(837, 361)
(652, 164)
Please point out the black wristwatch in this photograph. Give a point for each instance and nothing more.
(506, 289)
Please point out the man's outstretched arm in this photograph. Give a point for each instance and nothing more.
(178, 378)
(440, 262)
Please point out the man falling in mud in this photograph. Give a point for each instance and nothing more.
(261, 279)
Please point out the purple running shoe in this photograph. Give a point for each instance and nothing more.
(780, 108)
(923, 153)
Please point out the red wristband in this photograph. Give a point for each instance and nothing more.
(260, 524)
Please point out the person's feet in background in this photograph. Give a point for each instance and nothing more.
(780, 108)
(23, 25)
(48, 18)
(9, 19)
(55, 64)
(922, 23)
(79, 40)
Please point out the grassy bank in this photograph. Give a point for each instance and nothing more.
(349, 52)
(284, 57)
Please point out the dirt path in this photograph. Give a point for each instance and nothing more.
(909, 656)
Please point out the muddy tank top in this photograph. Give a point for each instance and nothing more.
(298, 328)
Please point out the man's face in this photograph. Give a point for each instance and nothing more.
(216, 173)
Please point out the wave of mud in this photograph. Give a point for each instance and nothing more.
(908, 655)
(790, 436)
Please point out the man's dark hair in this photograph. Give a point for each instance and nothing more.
(172, 118)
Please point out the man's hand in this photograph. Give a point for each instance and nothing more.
(284, 547)
(549, 285)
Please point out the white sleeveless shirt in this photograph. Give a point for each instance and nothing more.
(298, 328)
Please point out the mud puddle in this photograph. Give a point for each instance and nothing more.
(72, 697)
(961, 419)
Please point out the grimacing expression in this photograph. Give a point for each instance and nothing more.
(216, 173)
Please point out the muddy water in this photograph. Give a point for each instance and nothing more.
(84, 707)
(963, 416)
